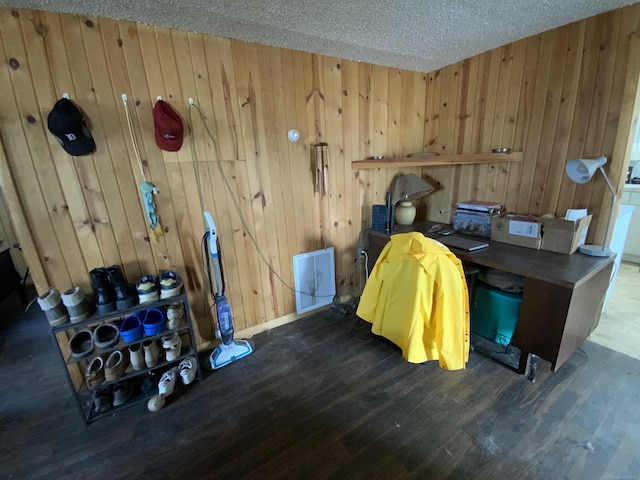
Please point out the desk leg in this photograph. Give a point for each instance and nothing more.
(527, 365)
(525, 362)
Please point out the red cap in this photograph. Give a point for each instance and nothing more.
(168, 127)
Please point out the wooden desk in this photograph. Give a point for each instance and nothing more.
(562, 299)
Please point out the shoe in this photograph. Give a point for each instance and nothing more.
(153, 322)
(151, 353)
(126, 296)
(131, 328)
(102, 402)
(81, 344)
(106, 335)
(187, 370)
(148, 289)
(175, 315)
(172, 345)
(94, 375)
(136, 356)
(167, 382)
(115, 366)
(105, 295)
(121, 394)
(155, 403)
(51, 304)
(75, 301)
(170, 284)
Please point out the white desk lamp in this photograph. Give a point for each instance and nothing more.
(580, 171)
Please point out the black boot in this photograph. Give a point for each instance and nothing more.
(126, 295)
(105, 295)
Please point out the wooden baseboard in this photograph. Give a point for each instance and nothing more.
(263, 327)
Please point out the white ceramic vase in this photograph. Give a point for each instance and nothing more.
(405, 213)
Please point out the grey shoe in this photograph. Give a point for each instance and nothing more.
(106, 335)
(81, 344)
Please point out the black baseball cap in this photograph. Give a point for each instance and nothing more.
(65, 122)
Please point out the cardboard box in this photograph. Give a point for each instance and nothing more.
(564, 236)
(521, 230)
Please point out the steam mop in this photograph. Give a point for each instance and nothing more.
(230, 350)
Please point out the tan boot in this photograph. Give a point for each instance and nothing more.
(151, 352)
(136, 355)
(94, 375)
(115, 365)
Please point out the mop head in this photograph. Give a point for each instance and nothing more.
(225, 354)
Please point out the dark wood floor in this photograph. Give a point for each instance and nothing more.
(317, 401)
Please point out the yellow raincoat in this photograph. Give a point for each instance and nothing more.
(416, 296)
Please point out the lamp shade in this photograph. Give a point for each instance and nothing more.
(580, 170)
(409, 187)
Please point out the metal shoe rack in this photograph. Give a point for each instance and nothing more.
(75, 368)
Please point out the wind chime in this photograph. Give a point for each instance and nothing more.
(322, 169)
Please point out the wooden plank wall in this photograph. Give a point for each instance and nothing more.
(8, 238)
(554, 96)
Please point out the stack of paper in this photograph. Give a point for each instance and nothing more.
(474, 216)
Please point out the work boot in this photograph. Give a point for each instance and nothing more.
(105, 295)
(126, 295)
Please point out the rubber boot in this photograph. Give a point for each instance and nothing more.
(105, 295)
(136, 355)
(126, 295)
(151, 353)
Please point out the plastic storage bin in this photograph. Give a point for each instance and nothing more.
(494, 314)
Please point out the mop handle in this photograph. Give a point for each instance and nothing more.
(213, 250)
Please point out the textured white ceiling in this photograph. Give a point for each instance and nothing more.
(420, 35)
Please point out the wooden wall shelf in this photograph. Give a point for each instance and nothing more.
(438, 160)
